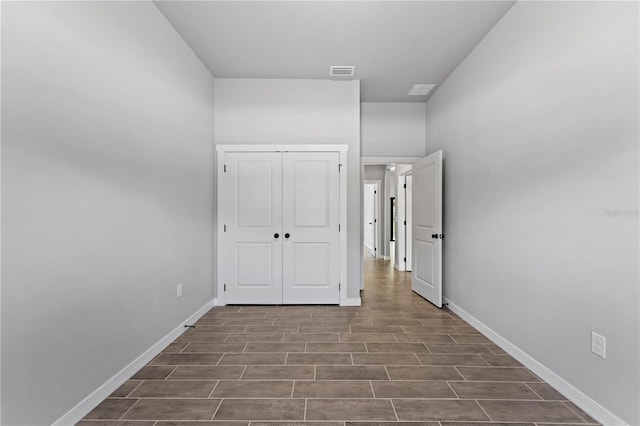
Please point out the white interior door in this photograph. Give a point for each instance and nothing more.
(426, 278)
(369, 217)
(253, 240)
(400, 226)
(408, 211)
(311, 197)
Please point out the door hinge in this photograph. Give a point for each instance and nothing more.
(405, 186)
(339, 227)
(339, 168)
(375, 220)
(405, 223)
(375, 192)
(405, 260)
(225, 287)
(339, 286)
(225, 168)
(225, 228)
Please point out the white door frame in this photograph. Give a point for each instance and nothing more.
(373, 161)
(376, 215)
(219, 300)
(402, 171)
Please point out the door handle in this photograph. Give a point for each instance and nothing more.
(287, 235)
(276, 235)
(434, 236)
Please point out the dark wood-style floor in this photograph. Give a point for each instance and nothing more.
(395, 359)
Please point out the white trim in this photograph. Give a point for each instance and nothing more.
(217, 302)
(222, 149)
(352, 301)
(344, 254)
(282, 148)
(591, 407)
(387, 160)
(219, 286)
(74, 415)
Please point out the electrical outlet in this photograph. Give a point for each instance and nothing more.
(179, 290)
(599, 345)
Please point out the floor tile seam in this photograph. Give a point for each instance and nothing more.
(534, 391)
(492, 351)
(452, 389)
(304, 415)
(482, 408)
(513, 367)
(214, 389)
(129, 409)
(363, 398)
(574, 411)
(134, 389)
(395, 413)
(459, 373)
(170, 374)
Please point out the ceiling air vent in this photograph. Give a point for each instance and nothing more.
(341, 70)
(420, 89)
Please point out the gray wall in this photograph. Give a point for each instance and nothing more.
(392, 129)
(269, 111)
(539, 127)
(107, 160)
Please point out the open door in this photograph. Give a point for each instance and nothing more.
(426, 277)
(408, 215)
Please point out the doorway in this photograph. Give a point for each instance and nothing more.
(417, 242)
(385, 223)
(371, 222)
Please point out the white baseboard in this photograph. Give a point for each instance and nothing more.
(217, 302)
(352, 301)
(591, 407)
(74, 415)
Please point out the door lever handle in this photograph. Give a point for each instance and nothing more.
(287, 235)
(276, 235)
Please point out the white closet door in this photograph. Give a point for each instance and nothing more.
(311, 197)
(253, 257)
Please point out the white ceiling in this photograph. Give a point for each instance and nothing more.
(393, 44)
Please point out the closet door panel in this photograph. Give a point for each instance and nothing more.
(253, 255)
(310, 209)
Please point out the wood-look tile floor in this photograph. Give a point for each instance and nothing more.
(396, 359)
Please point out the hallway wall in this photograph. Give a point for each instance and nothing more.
(107, 185)
(539, 128)
(392, 129)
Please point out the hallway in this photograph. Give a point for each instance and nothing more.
(394, 359)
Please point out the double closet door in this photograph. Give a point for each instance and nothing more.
(282, 227)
